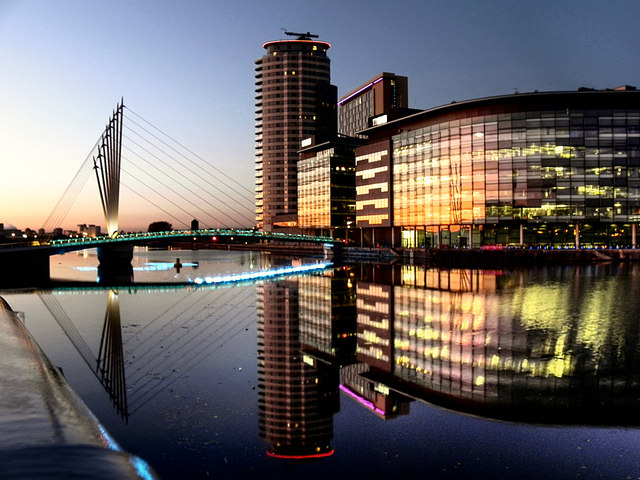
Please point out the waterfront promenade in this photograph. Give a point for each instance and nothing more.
(496, 257)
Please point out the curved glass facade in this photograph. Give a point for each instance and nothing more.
(508, 173)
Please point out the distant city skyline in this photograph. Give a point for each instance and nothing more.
(188, 69)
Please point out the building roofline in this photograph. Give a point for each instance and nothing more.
(374, 80)
(341, 140)
(514, 98)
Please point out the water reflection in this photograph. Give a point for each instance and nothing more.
(298, 394)
(564, 350)
(551, 346)
(560, 350)
(110, 362)
(108, 366)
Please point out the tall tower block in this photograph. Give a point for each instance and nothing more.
(294, 101)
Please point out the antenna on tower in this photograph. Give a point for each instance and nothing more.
(301, 36)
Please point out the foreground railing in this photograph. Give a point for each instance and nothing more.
(47, 430)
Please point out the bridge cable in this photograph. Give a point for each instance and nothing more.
(186, 167)
(180, 315)
(70, 195)
(69, 329)
(77, 341)
(184, 317)
(194, 352)
(251, 193)
(188, 179)
(168, 309)
(155, 205)
(166, 186)
(156, 192)
(150, 393)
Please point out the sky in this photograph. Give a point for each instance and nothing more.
(187, 68)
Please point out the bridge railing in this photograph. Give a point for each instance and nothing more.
(191, 233)
(19, 244)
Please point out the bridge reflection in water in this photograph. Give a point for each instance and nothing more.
(497, 344)
(108, 366)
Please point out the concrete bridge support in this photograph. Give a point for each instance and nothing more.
(115, 264)
(19, 268)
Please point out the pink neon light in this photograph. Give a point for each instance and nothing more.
(362, 400)
(369, 85)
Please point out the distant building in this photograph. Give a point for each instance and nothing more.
(294, 100)
(89, 230)
(10, 232)
(381, 95)
(374, 187)
(542, 168)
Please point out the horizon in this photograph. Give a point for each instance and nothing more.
(189, 70)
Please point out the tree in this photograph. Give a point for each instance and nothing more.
(159, 227)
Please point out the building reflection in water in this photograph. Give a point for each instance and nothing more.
(298, 392)
(564, 349)
(553, 346)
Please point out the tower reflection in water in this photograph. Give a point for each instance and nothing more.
(298, 392)
(504, 345)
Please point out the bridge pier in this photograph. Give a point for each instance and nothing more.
(115, 264)
(20, 268)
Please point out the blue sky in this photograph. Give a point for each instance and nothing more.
(188, 68)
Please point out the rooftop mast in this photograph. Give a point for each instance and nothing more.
(302, 36)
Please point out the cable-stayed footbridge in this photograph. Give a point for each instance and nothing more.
(139, 158)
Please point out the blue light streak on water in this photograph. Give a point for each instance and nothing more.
(229, 278)
(148, 267)
(162, 266)
(241, 277)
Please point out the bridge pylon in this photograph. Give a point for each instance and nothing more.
(107, 167)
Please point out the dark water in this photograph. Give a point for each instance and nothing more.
(366, 371)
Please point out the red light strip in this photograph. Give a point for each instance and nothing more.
(301, 457)
(295, 41)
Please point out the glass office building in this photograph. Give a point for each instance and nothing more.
(554, 168)
(326, 187)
